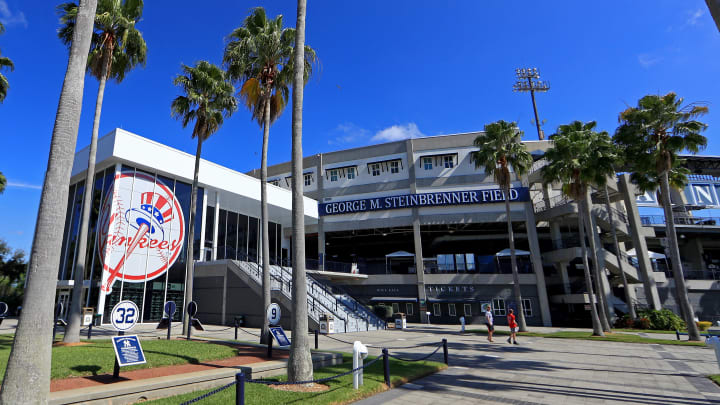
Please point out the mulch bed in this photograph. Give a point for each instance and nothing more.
(247, 355)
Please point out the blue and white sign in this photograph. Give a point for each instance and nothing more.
(273, 314)
(170, 308)
(124, 315)
(486, 196)
(128, 351)
(280, 337)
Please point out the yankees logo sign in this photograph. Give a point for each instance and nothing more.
(141, 230)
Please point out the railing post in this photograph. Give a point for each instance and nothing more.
(316, 339)
(445, 351)
(240, 388)
(386, 366)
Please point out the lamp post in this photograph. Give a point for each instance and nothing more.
(525, 83)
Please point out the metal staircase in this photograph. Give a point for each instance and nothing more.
(350, 316)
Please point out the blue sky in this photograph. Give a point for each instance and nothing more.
(389, 70)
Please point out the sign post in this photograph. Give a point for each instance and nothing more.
(123, 318)
(273, 318)
(170, 309)
(192, 309)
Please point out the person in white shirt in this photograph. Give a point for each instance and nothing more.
(489, 322)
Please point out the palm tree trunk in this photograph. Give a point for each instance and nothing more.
(190, 258)
(27, 379)
(599, 286)
(300, 367)
(72, 332)
(513, 263)
(597, 327)
(264, 335)
(680, 287)
(626, 286)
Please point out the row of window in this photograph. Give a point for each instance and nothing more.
(375, 169)
(498, 307)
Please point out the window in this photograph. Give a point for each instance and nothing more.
(460, 262)
(395, 166)
(527, 307)
(445, 263)
(498, 307)
(408, 309)
(396, 308)
(467, 308)
(451, 309)
(350, 173)
(427, 163)
(469, 262)
(375, 169)
(436, 310)
(448, 161)
(333, 175)
(308, 179)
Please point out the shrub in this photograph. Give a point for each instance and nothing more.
(642, 323)
(704, 325)
(625, 322)
(663, 319)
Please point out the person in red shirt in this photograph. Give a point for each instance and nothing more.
(513, 327)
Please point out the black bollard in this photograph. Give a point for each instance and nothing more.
(316, 339)
(269, 345)
(90, 331)
(236, 328)
(116, 367)
(240, 388)
(386, 366)
(169, 326)
(189, 329)
(445, 352)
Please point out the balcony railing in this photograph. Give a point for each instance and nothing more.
(555, 201)
(695, 274)
(651, 220)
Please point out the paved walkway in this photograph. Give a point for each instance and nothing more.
(538, 371)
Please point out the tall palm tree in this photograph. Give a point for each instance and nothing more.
(300, 367)
(4, 63)
(651, 136)
(27, 379)
(581, 156)
(258, 55)
(3, 183)
(208, 99)
(500, 149)
(117, 47)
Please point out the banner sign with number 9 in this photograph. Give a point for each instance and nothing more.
(124, 315)
(273, 314)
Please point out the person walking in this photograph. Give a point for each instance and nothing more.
(513, 327)
(489, 322)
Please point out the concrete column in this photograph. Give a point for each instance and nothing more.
(215, 227)
(698, 252)
(633, 215)
(417, 239)
(555, 233)
(224, 299)
(536, 258)
(565, 278)
(201, 253)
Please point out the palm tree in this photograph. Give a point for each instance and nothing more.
(27, 379)
(300, 367)
(117, 47)
(208, 99)
(4, 63)
(500, 148)
(581, 156)
(651, 136)
(259, 56)
(3, 183)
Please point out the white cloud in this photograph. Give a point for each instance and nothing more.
(647, 60)
(397, 133)
(9, 18)
(24, 185)
(348, 133)
(695, 16)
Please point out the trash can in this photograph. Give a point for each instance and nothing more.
(327, 323)
(87, 315)
(400, 321)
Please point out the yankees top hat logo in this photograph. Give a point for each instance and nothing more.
(141, 228)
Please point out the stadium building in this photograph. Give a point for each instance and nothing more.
(411, 224)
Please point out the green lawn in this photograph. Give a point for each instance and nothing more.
(715, 378)
(614, 337)
(667, 332)
(341, 390)
(98, 356)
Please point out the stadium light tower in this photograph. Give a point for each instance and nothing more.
(528, 79)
